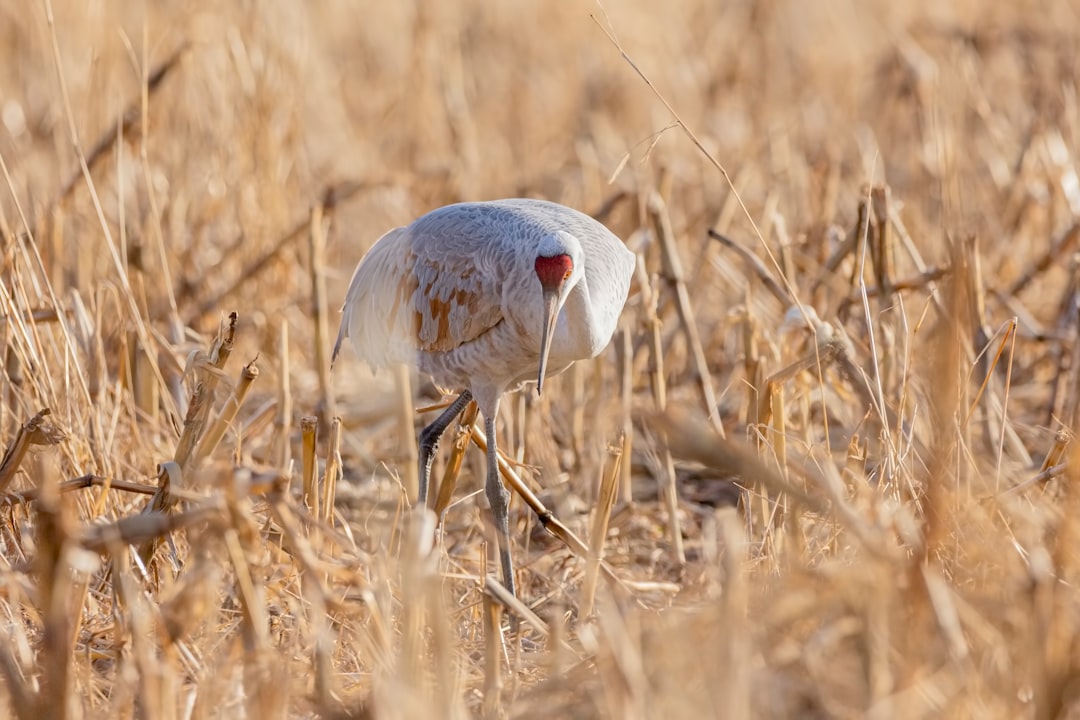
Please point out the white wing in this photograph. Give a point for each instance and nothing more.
(428, 291)
(374, 315)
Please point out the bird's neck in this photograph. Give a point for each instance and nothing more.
(577, 325)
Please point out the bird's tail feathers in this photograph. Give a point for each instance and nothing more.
(374, 316)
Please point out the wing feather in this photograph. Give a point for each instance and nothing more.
(375, 315)
(428, 290)
(455, 300)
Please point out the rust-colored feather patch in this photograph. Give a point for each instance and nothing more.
(409, 294)
(454, 303)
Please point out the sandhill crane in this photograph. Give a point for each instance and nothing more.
(485, 297)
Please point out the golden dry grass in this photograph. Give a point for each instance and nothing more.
(876, 231)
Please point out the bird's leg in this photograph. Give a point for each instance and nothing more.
(499, 499)
(429, 441)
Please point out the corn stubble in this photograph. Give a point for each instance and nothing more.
(828, 467)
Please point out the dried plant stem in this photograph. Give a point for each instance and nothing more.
(1056, 451)
(170, 474)
(1059, 246)
(626, 393)
(610, 204)
(285, 404)
(309, 463)
(145, 528)
(462, 436)
(922, 281)
(207, 373)
(732, 665)
(998, 432)
(37, 316)
(417, 541)
(319, 308)
(879, 378)
(38, 430)
(492, 658)
(198, 411)
(406, 431)
(755, 264)
(669, 489)
(24, 700)
(940, 480)
(1070, 405)
(1044, 475)
(259, 419)
(601, 517)
(228, 412)
(881, 245)
(315, 596)
(577, 417)
(775, 508)
(54, 581)
(333, 471)
(1057, 622)
(753, 368)
(498, 591)
(673, 271)
(141, 366)
(1009, 334)
(79, 483)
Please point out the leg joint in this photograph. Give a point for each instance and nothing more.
(429, 438)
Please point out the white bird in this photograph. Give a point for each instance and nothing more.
(485, 297)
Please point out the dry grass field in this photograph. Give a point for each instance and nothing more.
(825, 469)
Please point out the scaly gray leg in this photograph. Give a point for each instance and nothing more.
(429, 441)
(499, 498)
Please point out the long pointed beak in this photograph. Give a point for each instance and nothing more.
(551, 311)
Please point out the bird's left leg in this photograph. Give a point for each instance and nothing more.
(499, 499)
(429, 441)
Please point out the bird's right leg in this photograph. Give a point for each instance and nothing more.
(429, 441)
(499, 499)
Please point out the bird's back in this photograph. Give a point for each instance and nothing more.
(484, 230)
(438, 283)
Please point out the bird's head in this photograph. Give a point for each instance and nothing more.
(558, 267)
